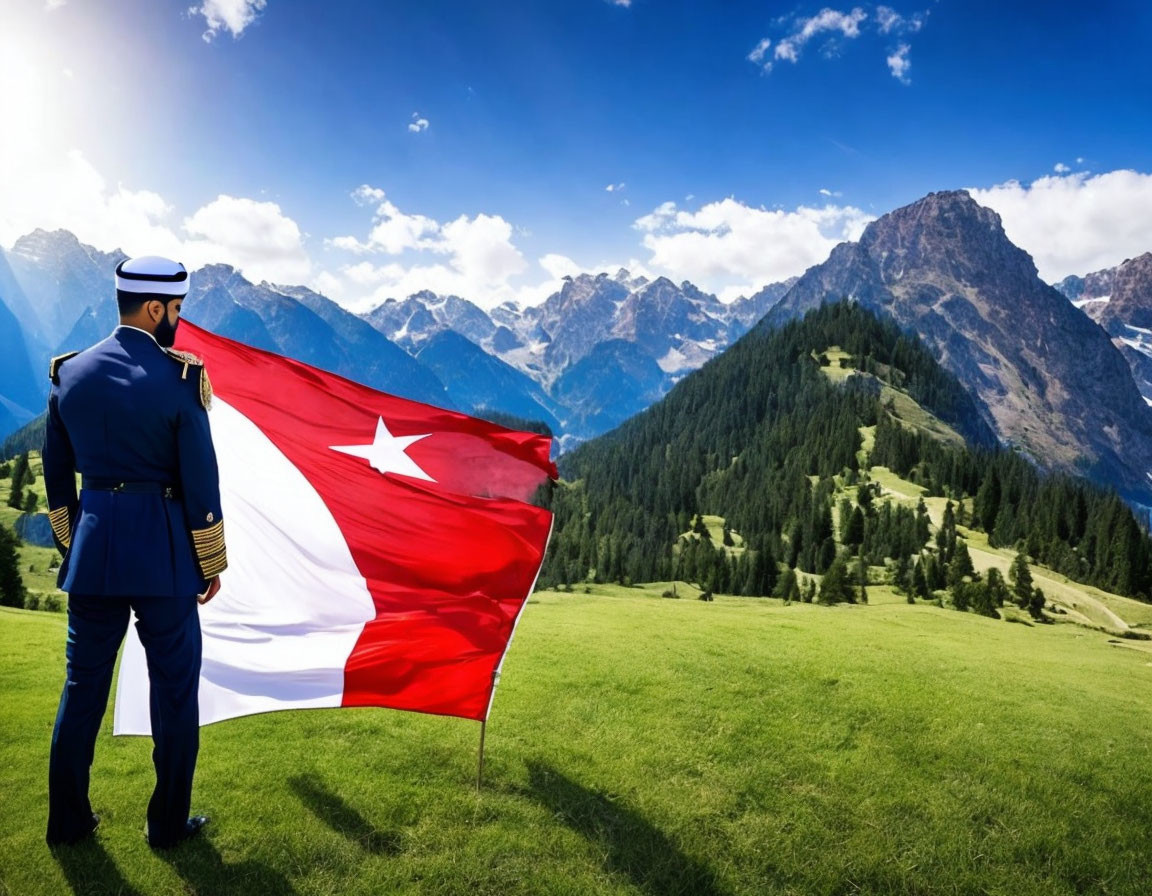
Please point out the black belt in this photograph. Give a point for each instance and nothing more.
(139, 488)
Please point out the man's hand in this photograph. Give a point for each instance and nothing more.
(213, 587)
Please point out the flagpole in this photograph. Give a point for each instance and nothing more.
(480, 764)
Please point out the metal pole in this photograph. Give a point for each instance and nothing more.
(480, 764)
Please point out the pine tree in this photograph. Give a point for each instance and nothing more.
(837, 585)
(920, 581)
(902, 575)
(854, 531)
(31, 501)
(961, 596)
(1036, 604)
(21, 472)
(983, 601)
(988, 502)
(11, 585)
(787, 587)
(1021, 578)
(961, 567)
(997, 591)
(16, 496)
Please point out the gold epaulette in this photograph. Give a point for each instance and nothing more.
(190, 360)
(54, 366)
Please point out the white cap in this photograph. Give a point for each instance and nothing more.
(152, 274)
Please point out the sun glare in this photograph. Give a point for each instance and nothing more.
(28, 102)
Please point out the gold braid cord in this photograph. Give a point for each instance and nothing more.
(61, 525)
(210, 550)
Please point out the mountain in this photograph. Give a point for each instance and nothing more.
(308, 327)
(780, 432)
(607, 386)
(411, 322)
(601, 348)
(479, 382)
(1120, 300)
(1045, 377)
(52, 287)
(21, 391)
(62, 279)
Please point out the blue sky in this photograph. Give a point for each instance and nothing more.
(369, 149)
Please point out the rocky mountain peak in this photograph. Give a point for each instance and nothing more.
(43, 244)
(944, 269)
(945, 233)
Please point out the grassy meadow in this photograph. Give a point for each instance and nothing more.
(37, 565)
(647, 745)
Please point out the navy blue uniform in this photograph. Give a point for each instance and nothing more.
(145, 534)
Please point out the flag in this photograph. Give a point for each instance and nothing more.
(380, 550)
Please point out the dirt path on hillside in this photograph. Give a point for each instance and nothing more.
(1077, 604)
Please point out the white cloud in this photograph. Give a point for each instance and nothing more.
(728, 247)
(1061, 168)
(1076, 223)
(417, 124)
(847, 23)
(615, 188)
(468, 256)
(233, 15)
(50, 5)
(366, 195)
(559, 266)
(256, 237)
(67, 192)
(891, 21)
(759, 52)
(898, 64)
(624, 3)
(824, 191)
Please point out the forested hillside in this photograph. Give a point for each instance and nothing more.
(764, 437)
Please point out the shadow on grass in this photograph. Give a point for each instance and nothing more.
(90, 870)
(331, 809)
(630, 844)
(199, 863)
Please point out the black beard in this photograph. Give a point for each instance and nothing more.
(165, 332)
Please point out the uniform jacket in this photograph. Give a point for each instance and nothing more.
(126, 410)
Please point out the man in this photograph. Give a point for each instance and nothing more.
(146, 535)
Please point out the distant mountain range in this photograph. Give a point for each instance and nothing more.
(593, 354)
(1057, 372)
(1120, 300)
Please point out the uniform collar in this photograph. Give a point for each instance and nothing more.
(122, 327)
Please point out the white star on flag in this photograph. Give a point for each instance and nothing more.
(387, 453)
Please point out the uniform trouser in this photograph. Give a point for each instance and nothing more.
(169, 629)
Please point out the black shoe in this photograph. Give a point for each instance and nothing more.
(191, 828)
(72, 841)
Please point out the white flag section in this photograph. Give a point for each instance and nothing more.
(292, 603)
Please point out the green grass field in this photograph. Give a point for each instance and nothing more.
(645, 745)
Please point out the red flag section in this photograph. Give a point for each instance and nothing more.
(432, 508)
